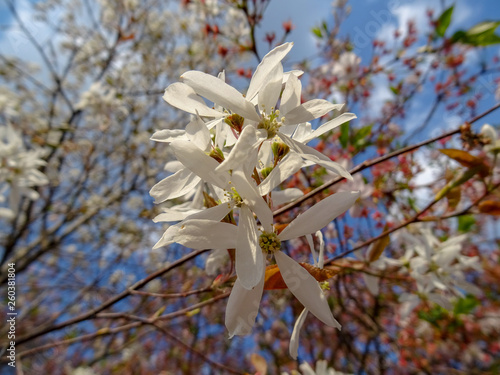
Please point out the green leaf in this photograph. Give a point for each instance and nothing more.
(361, 137)
(433, 316)
(344, 134)
(463, 178)
(465, 305)
(486, 27)
(395, 90)
(444, 21)
(482, 34)
(465, 223)
(317, 31)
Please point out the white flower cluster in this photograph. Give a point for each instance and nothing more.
(232, 156)
(18, 171)
(438, 269)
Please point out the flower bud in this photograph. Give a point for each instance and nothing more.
(235, 121)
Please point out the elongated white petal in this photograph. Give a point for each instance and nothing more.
(268, 63)
(251, 197)
(184, 97)
(268, 96)
(290, 164)
(297, 73)
(198, 133)
(205, 234)
(303, 130)
(173, 215)
(244, 151)
(286, 196)
(327, 126)
(199, 163)
(294, 339)
(291, 95)
(174, 186)
(315, 156)
(169, 135)
(248, 253)
(440, 300)
(372, 283)
(243, 307)
(216, 213)
(220, 93)
(309, 111)
(319, 215)
(166, 238)
(288, 130)
(305, 288)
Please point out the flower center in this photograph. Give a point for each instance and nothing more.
(271, 122)
(236, 197)
(269, 242)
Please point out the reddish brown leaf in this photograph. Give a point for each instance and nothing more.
(274, 280)
(490, 207)
(467, 160)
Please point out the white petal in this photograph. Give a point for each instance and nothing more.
(440, 300)
(286, 196)
(303, 130)
(327, 126)
(166, 238)
(291, 95)
(268, 96)
(198, 133)
(319, 215)
(169, 135)
(297, 73)
(216, 213)
(173, 215)
(290, 164)
(251, 197)
(220, 93)
(199, 163)
(372, 283)
(315, 156)
(205, 234)
(294, 339)
(310, 110)
(305, 288)
(248, 252)
(242, 308)
(184, 97)
(268, 63)
(174, 186)
(244, 152)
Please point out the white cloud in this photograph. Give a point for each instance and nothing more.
(416, 11)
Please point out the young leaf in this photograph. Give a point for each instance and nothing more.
(317, 32)
(344, 134)
(489, 207)
(378, 247)
(444, 21)
(465, 305)
(465, 223)
(467, 160)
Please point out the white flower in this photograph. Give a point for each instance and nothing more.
(243, 304)
(18, 170)
(490, 134)
(264, 91)
(346, 68)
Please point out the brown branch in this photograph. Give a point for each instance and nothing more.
(110, 302)
(196, 352)
(415, 219)
(370, 163)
